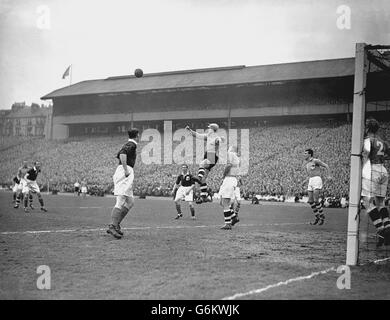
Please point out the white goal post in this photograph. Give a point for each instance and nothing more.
(364, 55)
(359, 102)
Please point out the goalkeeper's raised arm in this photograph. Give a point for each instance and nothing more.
(196, 134)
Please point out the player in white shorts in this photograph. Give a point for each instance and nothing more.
(19, 182)
(123, 184)
(84, 188)
(227, 191)
(374, 181)
(184, 190)
(313, 168)
(30, 186)
(236, 204)
(77, 189)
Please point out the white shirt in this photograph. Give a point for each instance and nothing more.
(212, 140)
(234, 160)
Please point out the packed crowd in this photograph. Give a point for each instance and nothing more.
(276, 165)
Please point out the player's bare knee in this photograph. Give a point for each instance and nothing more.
(316, 198)
(120, 201)
(226, 204)
(129, 203)
(379, 202)
(370, 206)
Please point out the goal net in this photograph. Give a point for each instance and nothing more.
(370, 100)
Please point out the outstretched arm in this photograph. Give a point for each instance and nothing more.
(196, 134)
(227, 169)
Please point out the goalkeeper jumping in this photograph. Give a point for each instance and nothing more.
(210, 158)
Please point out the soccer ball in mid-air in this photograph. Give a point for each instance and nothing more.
(138, 73)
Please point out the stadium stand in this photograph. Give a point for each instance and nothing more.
(275, 161)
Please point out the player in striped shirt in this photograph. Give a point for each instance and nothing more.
(210, 159)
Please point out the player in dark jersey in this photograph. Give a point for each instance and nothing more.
(123, 184)
(374, 181)
(184, 190)
(31, 186)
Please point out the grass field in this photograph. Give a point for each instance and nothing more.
(263, 257)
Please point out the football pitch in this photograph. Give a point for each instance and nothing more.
(272, 253)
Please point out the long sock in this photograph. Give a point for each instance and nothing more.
(14, 196)
(25, 200)
(178, 209)
(192, 209)
(319, 208)
(227, 214)
(232, 214)
(19, 198)
(203, 190)
(123, 214)
(116, 216)
(201, 173)
(384, 214)
(237, 209)
(376, 219)
(40, 202)
(314, 207)
(30, 198)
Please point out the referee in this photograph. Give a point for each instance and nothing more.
(123, 183)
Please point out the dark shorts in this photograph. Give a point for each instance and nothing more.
(212, 157)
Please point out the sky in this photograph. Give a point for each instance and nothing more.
(39, 39)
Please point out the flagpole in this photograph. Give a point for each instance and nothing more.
(71, 71)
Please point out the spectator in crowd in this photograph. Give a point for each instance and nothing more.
(274, 150)
(77, 188)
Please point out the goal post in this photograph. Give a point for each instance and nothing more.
(356, 150)
(368, 59)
